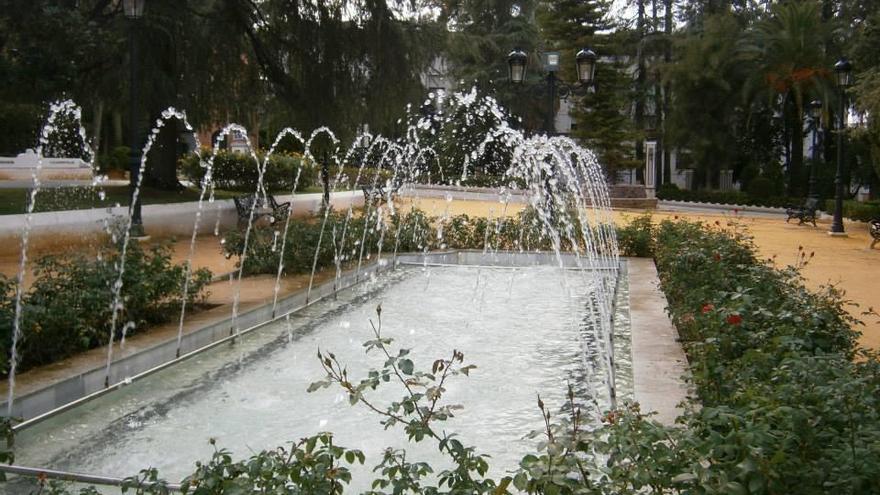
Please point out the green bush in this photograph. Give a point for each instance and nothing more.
(352, 177)
(637, 237)
(413, 231)
(862, 211)
(19, 127)
(238, 171)
(669, 190)
(783, 405)
(761, 187)
(68, 307)
(727, 197)
(119, 158)
(343, 238)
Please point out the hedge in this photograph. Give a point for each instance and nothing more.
(671, 192)
(238, 171)
(857, 210)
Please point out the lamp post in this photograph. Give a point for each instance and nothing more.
(815, 109)
(585, 62)
(134, 9)
(843, 73)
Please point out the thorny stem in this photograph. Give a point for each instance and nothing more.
(575, 421)
(377, 331)
(545, 415)
(446, 366)
(339, 374)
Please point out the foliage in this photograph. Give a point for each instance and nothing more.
(481, 35)
(19, 123)
(724, 197)
(781, 397)
(312, 465)
(67, 308)
(7, 437)
(705, 78)
(452, 129)
(354, 238)
(636, 238)
(601, 113)
(857, 210)
(117, 159)
(238, 171)
(788, 51)
(761, 187)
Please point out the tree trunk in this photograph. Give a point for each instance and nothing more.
(98, 121)
(161, 172)
(640, 84)
(667, 58)
(795, 185)
(117, 128)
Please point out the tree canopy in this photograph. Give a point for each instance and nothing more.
(723, 82)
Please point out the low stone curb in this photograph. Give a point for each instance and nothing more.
(722, 206)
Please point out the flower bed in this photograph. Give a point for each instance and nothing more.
(786, 402)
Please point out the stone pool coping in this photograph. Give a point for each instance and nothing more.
(659, 361)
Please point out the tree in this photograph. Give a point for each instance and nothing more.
(600, 114)
(706, 81)
(786, 50)
(481, 35)
(866, 59)
(338, 64)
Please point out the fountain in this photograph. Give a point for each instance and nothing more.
(492, 298)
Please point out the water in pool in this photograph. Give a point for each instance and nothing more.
(524, 329)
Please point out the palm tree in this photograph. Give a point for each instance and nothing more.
(786, 50)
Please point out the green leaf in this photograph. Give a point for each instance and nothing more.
(406, 366)
(684, 478)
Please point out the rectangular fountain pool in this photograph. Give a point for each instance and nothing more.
(524, 328)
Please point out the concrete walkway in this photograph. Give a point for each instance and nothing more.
(659, 362)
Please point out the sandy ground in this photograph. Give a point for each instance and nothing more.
(844, 262)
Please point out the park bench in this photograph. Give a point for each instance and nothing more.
(375, 193)
(874, 225)
(805, 213)
(274, 210)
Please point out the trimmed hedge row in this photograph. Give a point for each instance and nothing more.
(857, 210)
(414, 231)
(238, 171)
(671, 192)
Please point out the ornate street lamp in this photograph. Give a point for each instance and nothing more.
(815, 110)
(585, 61)
(586, 66)
(134, 10)
(843, 75)
(516, 64)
